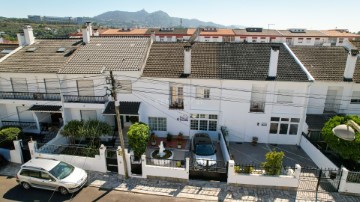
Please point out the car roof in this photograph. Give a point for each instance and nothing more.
(44, 164)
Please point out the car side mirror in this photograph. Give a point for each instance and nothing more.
(215, 151)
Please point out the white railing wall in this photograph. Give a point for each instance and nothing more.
(224, 147)
(14, 155)
(290, 181)
(316, 155)
(97, 163)
(348, 187)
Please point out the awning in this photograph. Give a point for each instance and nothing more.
(126, 108)
(45, 108)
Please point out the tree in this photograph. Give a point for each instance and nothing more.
(72, 130)
(8, 134)
(349, 150)
(273, 163)
(138, 136)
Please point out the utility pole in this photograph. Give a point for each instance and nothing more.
(119, 125)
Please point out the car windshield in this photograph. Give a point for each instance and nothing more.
(204, 150)
(62, 170)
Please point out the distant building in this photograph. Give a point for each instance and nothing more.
(52, 19)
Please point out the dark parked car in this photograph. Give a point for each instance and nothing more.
(203, 149)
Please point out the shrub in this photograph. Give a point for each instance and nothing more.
(244, 169)
(273, 163)
(138, 136)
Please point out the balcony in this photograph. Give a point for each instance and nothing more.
(30, 96)
(256, 106)
(85, 99)
(177, 105)
(331, 108)
(23, 125)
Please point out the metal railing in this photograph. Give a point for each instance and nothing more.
(166, 162)
(85, 99)
(263, 170)
(331, 107)
(353, 177)
(256, 106)
(177, 105)
(30, 96)
(24, 125)
(73, 150)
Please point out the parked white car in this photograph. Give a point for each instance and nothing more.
(204, 150)
(51, 175)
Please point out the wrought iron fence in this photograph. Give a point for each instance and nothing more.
(263, 170)
(353, 177)
(74, 150)
(85, 99)
(30, 96)
(24, 125)
(166, 162)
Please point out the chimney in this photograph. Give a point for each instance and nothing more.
(86, 34)
(274, 57)
(96, 32)
(350, 64)
(27, 38)
(153, 37)
(89, 25)
(187, 60)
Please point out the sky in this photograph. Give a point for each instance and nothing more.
(276, 14)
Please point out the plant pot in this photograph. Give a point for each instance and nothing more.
(179, 146)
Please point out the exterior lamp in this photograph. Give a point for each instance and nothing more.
(346, 131)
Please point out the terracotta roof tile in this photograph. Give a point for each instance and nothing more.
(336, 33)
(233, 61)
(265, 32)
(308, 33)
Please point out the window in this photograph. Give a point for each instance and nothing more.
(6, 51)
(124, 86)
(284, 126)
(205, 122)
(300, 40)
(285, 96)
(202, 93)
(176, 97)
(33, 49)
(258, 95)
(355, 98)
(19, 84)
(52, 85)
(61, 50)
(46, 176)
(308, 40)
(88, 115)
(341, 40)
(157, 123)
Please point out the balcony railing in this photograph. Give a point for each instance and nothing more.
(30, 96)
(23, 125)
(331, 108)
(256, 106)
(85, 99)
(177, 105)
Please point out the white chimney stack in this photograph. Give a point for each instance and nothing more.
(187, 59)
(96, 32)
(152, 36)
(274, 57)
(89, 25)
(350, 64)
(86, 34)
(27, 38)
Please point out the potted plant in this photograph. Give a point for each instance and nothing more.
(180, 140)
(254, 140)
(153, 139)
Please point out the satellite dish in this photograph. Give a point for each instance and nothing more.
(344, 132)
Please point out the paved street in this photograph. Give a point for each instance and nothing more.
(10, 191)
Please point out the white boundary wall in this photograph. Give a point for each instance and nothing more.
(348, 187)
(14, 155)
(161, 171)
(263, 180)
(224, 147)
(98, 163)
(316, 155)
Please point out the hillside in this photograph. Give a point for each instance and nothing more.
(144, 19)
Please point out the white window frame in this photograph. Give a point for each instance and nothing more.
(290, 122)
(203, 118)
(355, 97)
(157, 123)
(202, 93)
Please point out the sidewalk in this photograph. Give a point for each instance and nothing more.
(202, 190)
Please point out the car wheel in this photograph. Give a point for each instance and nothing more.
(63, 190)
(25, 185)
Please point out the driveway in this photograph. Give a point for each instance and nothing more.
(246, 153)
